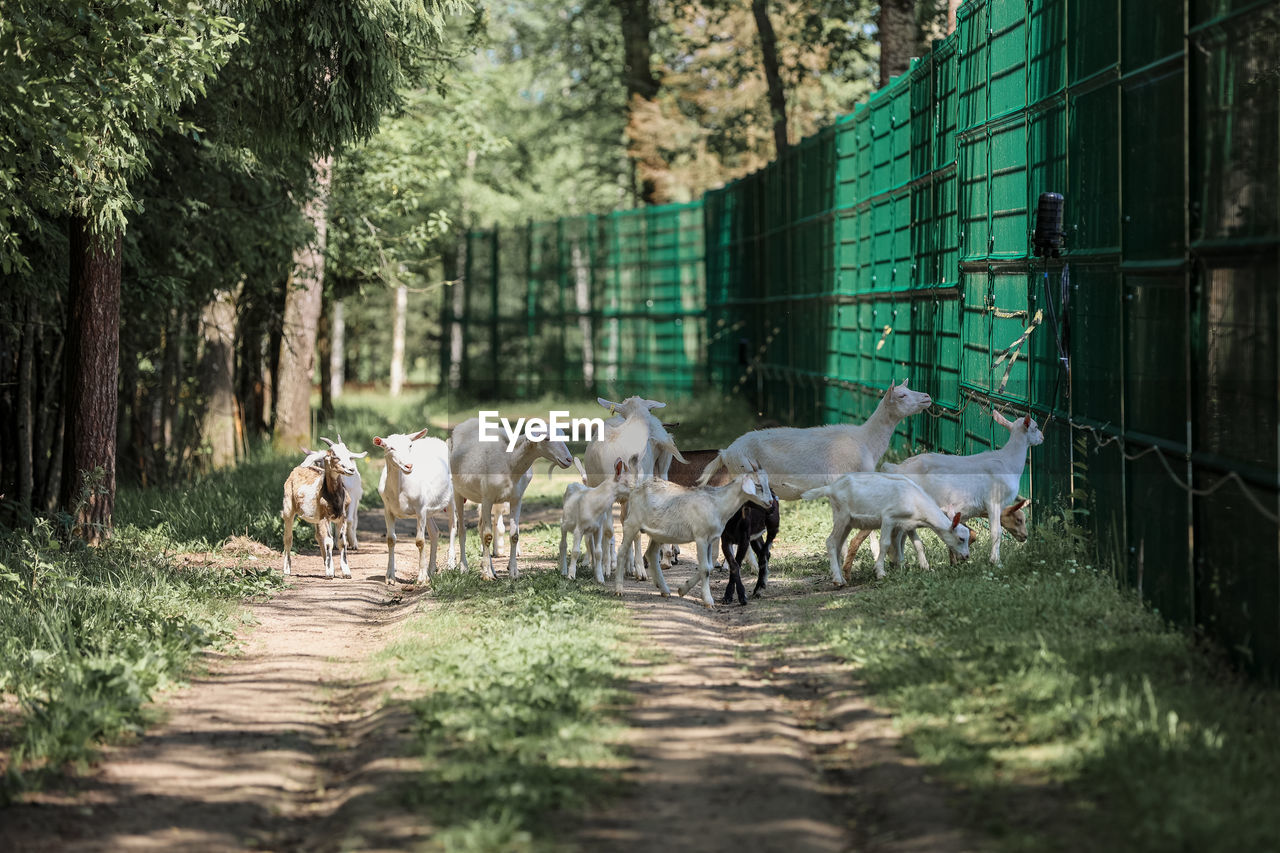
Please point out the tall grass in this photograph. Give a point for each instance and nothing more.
(517, 721)
(1071, 714)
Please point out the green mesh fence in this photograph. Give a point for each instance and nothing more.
(897, 244)
(589, 304)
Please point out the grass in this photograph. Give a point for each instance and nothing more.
(517, 720)
(1066, 712)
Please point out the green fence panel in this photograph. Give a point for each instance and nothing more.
(1092, 209)
(1046, 49)
(975, 204)
(1153, 214)
(1092, 45)
(1007, 54)
(1007, 161)
(1151, 30)
(973, 70)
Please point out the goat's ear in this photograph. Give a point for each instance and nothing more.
(1001, 419)
(955, 522)
(1026, 422)
(1019, 505)
(617, 469)
(608, 404)
(378, 442)
(362, 454)
(419, 434)
(749, 486)
(305, 452)
(654, 404)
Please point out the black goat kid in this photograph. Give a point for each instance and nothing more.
(741, 531)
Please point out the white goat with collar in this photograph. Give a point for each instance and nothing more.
(415, 483)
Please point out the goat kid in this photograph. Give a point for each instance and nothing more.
(749, 532)
(895, 505)
(584, 509)
(1012, 519)
(668, 513)
(319, 497)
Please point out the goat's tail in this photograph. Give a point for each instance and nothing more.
(814, 494)
(712, 467)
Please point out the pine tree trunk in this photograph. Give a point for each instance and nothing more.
(582, 301)
(47, 438)
(217, 378)
(637, 73)
(303, 299)
(899, 37)
(952, 7)
(337, 348)
(398, 323)
(93, 362)
(772, 75)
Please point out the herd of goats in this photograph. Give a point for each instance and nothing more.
(728, 496)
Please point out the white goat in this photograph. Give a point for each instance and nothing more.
(1012, 519)
(633, 431)
(355, 488)
(584, 511)
(319, 497)
(979, 484)
(485, 472)
(668, 513)
(891, 502)
(415, 483)
(808, 458)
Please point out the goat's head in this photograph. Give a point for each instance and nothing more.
(341, 458)
(755, 485)
(630, 406)
(1024, 425)
(625, 474)
(556, 451)
(1014, 520)
(903, 402)
(962, 534)
(397, 449)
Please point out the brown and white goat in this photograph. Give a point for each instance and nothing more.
(320, 497)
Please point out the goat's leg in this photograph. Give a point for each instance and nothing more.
(920, 554)
(453, 532)
(353, 521)
(459, 523)
(288, 542)
(840, 527)
(886, 542)
(486, 540)
(391, 544)
(342, 548)
(601, 558)
(734, 548)
(512, 569)
(760, 556)
(703, 576)
(564, 549)
(851, 554)
(500, 530)
(433, 533)
(325, 535)
(577, 552)
(993, 514)
(659, 580)
(624, 548)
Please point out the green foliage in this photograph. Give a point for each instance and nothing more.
(83, 85)
(1042, 673)
(516, 722)
(91, 634)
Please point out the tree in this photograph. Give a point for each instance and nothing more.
(899, 38)
(777, 94)
(637, 76)
(84, 87)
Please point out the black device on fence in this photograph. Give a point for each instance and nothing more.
(1048, 236)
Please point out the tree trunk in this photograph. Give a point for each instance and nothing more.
(582, 301)
(398, 322)
(217, 378)
(48, 431)
(637, 72)
(337, 347)
(952, 6)
(899, 37)
(772, 75)
(324, 356)
(303, 299)
(93, 362)
(169, 398)
(26, 388)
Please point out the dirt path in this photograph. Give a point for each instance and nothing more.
(281, 747)
(740, 749)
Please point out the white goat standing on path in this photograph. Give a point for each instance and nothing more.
(487, 473)
(895, 505)
(799, 459)
(415, 483)
(586, 510)
(636, 433)
(319, 497)
(979, 483)
(668, 514)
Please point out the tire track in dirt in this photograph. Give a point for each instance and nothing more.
(738, 748)
(283, 746)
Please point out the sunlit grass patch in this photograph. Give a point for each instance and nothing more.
(518, 718)
(1057, 700)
